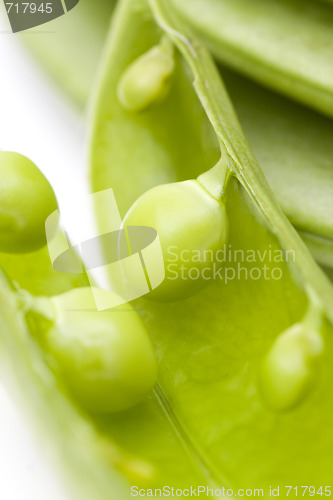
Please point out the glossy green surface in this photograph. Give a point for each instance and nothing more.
(26, 200)
(211, 346)
(192, 226)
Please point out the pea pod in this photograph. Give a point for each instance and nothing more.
(212, 345)
(285, 45)
(206, 422)
(292, 143)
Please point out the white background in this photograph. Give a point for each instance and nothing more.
(37, 121)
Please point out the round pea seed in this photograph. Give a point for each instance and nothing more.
(26, 200)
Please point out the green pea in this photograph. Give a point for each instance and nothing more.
(26, 200)
(192, 226)
(105, 358)
(146, 80)
(290, 368)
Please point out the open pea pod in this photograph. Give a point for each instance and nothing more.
(207, 421)
(285, 44)
(227, 414)
(293, 144)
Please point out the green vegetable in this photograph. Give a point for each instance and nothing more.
(284, 44)
(93, 471)
(206, 422)
(293, 144)
(145, 81)
(106, 359)
(290, 368)
(192, 226)
(26, 200)
(211, 346)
